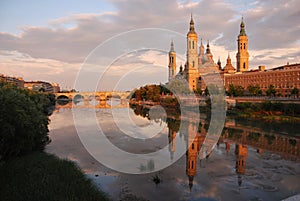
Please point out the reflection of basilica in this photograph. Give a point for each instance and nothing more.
(233, 134)
(283, 145)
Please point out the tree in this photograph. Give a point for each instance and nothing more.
(231, 90)
(206, 92)
(239, 91)
(235, 90)
(23, 120)
(295, 92)
(271, 90)
(178, 87)
(254, 90)
(197, 91)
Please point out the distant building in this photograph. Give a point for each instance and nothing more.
(42, 86)
(283, 78)
(15, 80)
(200, 67)
(56, 87)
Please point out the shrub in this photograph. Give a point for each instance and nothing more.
(23, 120)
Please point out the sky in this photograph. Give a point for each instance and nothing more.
(123, 44)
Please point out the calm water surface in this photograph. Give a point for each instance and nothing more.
(252, 160)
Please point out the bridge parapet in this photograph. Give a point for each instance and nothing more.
(98, 95)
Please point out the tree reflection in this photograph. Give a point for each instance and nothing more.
(242, 136)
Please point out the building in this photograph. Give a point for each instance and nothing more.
(200, 66)
(15, 80)
(42, 86)
(283, 78)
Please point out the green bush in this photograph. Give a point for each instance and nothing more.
(40, 176)
(23, 120)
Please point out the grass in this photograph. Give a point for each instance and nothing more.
(41, 176)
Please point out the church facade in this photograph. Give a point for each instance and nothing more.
(199, 60)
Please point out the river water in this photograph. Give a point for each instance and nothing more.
(252, 160)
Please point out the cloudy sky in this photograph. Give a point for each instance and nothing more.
(120, 44)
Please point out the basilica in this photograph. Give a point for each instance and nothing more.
(199, 59)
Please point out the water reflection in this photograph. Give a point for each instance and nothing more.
(91, 102)
(251, 161)
(241, 136)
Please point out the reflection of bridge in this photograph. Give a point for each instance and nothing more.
(87, 104)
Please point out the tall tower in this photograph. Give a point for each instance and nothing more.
(241, 152)
(172, 62)
(242, 57)
(191, 154)
(172, 142)
(192, 56)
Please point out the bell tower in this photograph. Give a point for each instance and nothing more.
(242, 56)
(172, 62)
(191, 154)
(192, 56)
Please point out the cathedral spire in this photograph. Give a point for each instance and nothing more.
(228, 59)
(192, 25)
(242, 56)
(172, 46)
(201, 48)
(219, 64)
(172, 62)
(208, 48)
(242, 31)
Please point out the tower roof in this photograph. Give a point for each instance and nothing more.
(191, 181)
(208, 48)
(242, 30)
(219, 62)
(192, 25)
(172, 47)
(201, 48)
(228, 59)
(229, 68)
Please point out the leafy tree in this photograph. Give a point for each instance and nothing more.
(254, 90)
(178, 87)
(197, 91)
(239, 91)
(206, 92)
(295, 92)
(271, 90)
(23, 120)
(235, 90)
(148, 92)
(164, 90)
(231, 90)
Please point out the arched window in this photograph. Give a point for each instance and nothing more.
(244, 65)
(193, 45)
(192, 145)
(193, 63)
(244, 46)
(192, 164)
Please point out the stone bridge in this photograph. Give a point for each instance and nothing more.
(92, 99)
(100, 96)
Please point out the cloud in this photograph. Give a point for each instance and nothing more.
(14, 63)
(272, 26)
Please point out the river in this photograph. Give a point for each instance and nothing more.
(252, 160)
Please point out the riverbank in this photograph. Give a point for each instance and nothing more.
(41, 176)
(267, 111)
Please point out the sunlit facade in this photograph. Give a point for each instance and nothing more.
(200, 64)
